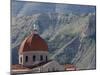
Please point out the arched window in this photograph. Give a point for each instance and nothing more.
(34, 57)
(26, 59)
(41, 57)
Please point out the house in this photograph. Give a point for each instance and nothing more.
(70, 67)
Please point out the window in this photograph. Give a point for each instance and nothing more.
(34, 57)
(41, 58)
(26, 59)
(48, 70)
(20, 59)
(46, 58)
(53, 69)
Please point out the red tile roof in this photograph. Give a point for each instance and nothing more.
(70, 67)
(33, 43)
(18, 66)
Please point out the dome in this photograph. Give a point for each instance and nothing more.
(33, 43)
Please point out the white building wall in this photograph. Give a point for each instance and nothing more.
(20, 57)
(52, 66)
(30, 57)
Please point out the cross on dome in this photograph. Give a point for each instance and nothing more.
(35, 27)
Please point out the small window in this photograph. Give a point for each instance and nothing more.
(20, 59)
(48, 70)
(34, 57)
(41, 58)
(46, 58)
(53, 69)
(26, 59)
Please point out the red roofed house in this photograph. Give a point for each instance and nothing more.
(70, 67)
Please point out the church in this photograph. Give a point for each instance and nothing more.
(33, 56)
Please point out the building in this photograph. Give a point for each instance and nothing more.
(70, 67)
(33, 56)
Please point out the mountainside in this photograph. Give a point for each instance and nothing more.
(23, 8)
(71, 37)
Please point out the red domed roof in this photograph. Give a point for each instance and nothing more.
(33, 43)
